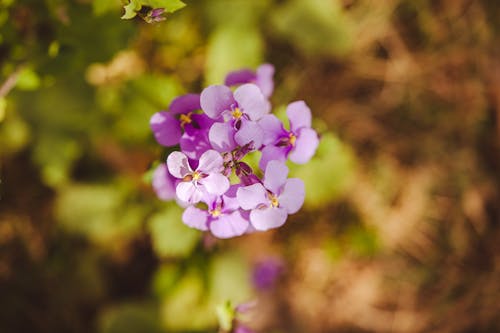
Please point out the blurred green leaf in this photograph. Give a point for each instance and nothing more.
(329, 173)
(229, 278)
(171, 237)
(130, 318)
(28, 79)
(165, 279)
(187, 307)
(134, 6)
(231, 48)
(363, 242)
(225, 315)
(103, 6)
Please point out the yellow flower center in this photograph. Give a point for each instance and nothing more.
(274, 201)
(216, 212)
(237, 113)
(292, 138)
(185, 119)
(196, 175)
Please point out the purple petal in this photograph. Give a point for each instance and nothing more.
(275, 176)
(249, 131)
(163, 183)
(239, 77)
(215, 183)
(216, 99)
(229, 225)
(210, 161)
(199, 123)
(268, 218)
(251, 100)
(230, 202)
(195, 218)
(264, 79)
(252, 196)
(166, 128)
(305, 146)
(195, 145)
(185, 103)
(273, 129)
(270, 153)
(265, 273)
(292, 196)
(299, 115)
(178, 164)
(189, 192)
(221, 136)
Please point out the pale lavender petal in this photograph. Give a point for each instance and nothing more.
(163, 183)
(185, 103)
(299, 115)
(275, 176)
(195, 145)
(230, 202)
(292, 196)
(270, 153)
(249, 131)
(264, 79)
(221, 136)
(229, 225)
(215, 183)
(210, 161)
(268, 218)
(305, 146)
(166, 129)
(195, 218)
(178, 164)
(188, 192)
(251, 100)
(215, 100)
(239, 77)
(252, 196)
(273, 129)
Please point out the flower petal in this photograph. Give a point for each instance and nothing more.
(249, 131)
(195, 145)
(221, 136)
(252, 196)
(268, 218)
(299, 115)
(210, 161)
(178, 164)
(195, 218)
(292, 196)
(239, 77)
(275, 176)
(215, 183)
(229, 225)
(163, 183)
(166, 129)
(251, 100)
(185, 103)
(216, 99)
(270, 153)
(273, 129)
(305, 146)
(188, 192)
(264, 79)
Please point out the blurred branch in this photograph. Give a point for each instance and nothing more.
(11, 81)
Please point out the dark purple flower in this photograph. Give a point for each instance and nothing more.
(164, 183)
(299, 143)
(206, 179)
(266, 272)
(238, 113)
(168, 126)
(271, 202)
(242, 329)
(223, 217)
(263, 78)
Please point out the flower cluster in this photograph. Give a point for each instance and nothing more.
(215, 131)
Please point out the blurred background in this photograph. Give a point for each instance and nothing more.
(400, 231)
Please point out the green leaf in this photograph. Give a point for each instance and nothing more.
(229, 280)
(130, 318)
(225, 315)
(131, 9)
(134, 6)
(171, 237)
(28, 79)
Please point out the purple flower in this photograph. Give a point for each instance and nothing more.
(223, 217)
(242, 329)
(263, 78)
(238, 113)
(206, 179)
(271, 202)
(164, 183)
(266, 272)
(168, 126)
(299, 143)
